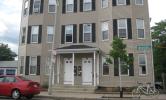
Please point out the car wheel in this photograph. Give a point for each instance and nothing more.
(16, 94)
(29, 96)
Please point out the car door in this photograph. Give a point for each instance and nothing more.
(1, 84)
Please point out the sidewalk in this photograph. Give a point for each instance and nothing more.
(92, 96)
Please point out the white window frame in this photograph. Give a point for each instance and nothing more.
(84, 2)
(102, 3)
(140, 28)
(139, 3)
(121, 4)
(102, 30)
(50, 26)
(123, 28)
(51, 4)
(67, 3)
(71, 25)
(36, 8)
(121, 69)
(90, 33)
(103, 61)
(30, 59)
(35, 33)
(140, 69)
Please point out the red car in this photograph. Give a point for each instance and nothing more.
(18, 86)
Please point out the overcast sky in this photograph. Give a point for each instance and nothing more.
(10, 17)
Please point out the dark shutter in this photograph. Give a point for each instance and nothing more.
(131, 66)
(113, 2)
(29, 35)
(31, 7)
(81, 5)
(93, 5)
(75, 5)
(27, 66)
(74, 33)
(41, 6)
(40, 34)
(93, 32)
(81, 33)
(129, 28)
(116, 67)
(38, 65)
(127, 2)
(64, 6)
(63, 34)
(115, 28)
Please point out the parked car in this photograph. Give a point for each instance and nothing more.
(18, 86)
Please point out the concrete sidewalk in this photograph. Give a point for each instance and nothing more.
(92, 96)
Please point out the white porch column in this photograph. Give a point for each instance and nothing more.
(73, 68)
(94, 54)
(58, 69)
(98, 59)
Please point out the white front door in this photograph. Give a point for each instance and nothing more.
(87, 71)
(68, 71)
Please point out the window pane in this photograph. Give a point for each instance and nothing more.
(10, 72)
(52, 8)
(1, 71)
(50, 30)
(122, 23)
(69, 7)
(105, 66)
(140, 24)
(34, 38)
(87, 6)
(85, 1)
(140, 33)
(139, 1)
(52, 2)
(23, 35)
(69, 33)
(122, 33)
(124, 68)
(104, 3)
(121, 2)
(87, 37)
(32, 69)
(10, 79)
(69, 1)
(105, 35)
(35, 29)
(36, 6)
(68, 37)
(142, 59)
(87, 28)
(143, 69)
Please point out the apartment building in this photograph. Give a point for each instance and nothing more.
(83, 31)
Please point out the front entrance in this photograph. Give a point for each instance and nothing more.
(87, 71)
(68, 71)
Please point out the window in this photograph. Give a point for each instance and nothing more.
(142, 64)
(87, 32)
(105, 31)
(10, 79)
(2, 72)
(104, 3)
(23, 35)
(36, 6)
(10, 71)
(52, 6)
(122, 28)
(26, 7)
(34, 34)
(105, 66)
(1, 79)
(140, 28)
(50, 31)
(69, 5)
(33, 65)
(21, 64)
(87, 5)
(69, 33)
(124, 68)
(139, 2)
(121, 2)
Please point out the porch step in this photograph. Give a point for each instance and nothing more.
(73, 89)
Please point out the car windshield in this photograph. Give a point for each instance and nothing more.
(23, 78)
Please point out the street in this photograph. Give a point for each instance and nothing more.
(8, 98)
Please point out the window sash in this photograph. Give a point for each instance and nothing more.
(142, 63)
(140, 28)
(52, 2)
(69, 33)
(33, 66)
(36, 5)
(124, 68)
(50, 31)
(104, 3)
(34, 34)
(139, 2)
(122, 28)
(87, 32)
(69, 7)
(105, 67)
(121, 2)
(87, 5)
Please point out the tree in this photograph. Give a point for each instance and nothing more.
(6, 54)
(159, 49)
(119, 52)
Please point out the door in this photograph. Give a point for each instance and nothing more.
(87, 71)
(68, 71)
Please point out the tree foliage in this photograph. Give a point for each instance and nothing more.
(5, 53)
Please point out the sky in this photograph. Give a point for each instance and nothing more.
(10, 17)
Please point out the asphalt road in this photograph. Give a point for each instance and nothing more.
(7, 98)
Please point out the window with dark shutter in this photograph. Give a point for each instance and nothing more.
(115, 28)
(40, 34)
(131, 66)
(27, 66)
(29, 35)
(81, 33)
(74, 33)
(63, 34)
(64, 6)
(116, 67)
(93, 32)
(129, 28)
(38, 65)
(31, 7)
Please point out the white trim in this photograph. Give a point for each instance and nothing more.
(140, 74)
(90, 33)
(142, 28)
(105, 6)
(139, 4)
(120, 4)
(123, 28)
(30, 65)
(71, 34)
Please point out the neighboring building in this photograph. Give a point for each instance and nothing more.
(8, 67)
(84, 31)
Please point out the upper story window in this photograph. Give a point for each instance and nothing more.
(140, 28)
(69, 5)
(124, 68)
(142, 64)
(87, 5)
(26, 7)
(122, 28)
(34, 34)
(105, 66)
(87, 32)
(52, 6)
(23, 35)
(105, 30)
(33, 66)
(139, 2)
(69, 33)
(36, 6)
(104, 3)
(50, 31)
(121, 2)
